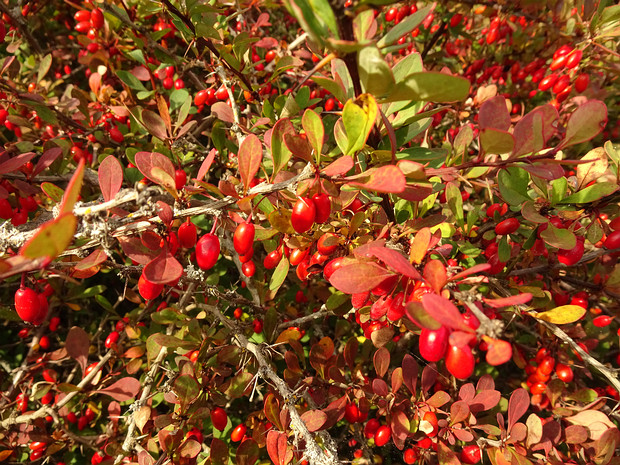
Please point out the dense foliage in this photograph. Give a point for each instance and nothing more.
(309, 232)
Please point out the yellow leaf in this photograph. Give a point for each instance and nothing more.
(561, 315)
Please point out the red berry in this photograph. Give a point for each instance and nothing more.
(82, 15)
(327, 243)
(243, 239)
(613, 240)
(221, 93)
(219, 418)
(507, 226)
(96, 18)
(547, 82)
(564, 372)
(332, 266)
(434, 344)
(352, 413)
(188, 234)
(471, 454)
(574, 59)
(330, 104)
(323, 206)
(111, 339)
(391, 14)
(570, 257)
(116, 135)
(147, 289)
(207, 251)
(6, 212)
(28, 306)
(460, 361)
(303, 215)
(238, 433)
(269, 56)
(180, 178)
(383, 435)
(201, 97)
(581, 83)
(248, 269)
(272, 259)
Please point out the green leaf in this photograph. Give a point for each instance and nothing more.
(279, 275)
(178, 97)
(455, 203)
(591, 193)
(52, 191)
(44, 66)
(558, 189)
(358, 117)
(375, 74)
(405, 26)
(131, 81)
(52, 238)
(279, 151)
(430, 86)
(496, 142)
(332, 87)
(313, 126)
(560, 238)
(513, 185)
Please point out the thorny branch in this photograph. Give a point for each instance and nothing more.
(559, 333)
(313, 452)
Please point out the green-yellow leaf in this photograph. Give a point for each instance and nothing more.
(358, 117)
(52, 238)
(561, 315)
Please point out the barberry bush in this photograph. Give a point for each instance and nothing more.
(309, 232)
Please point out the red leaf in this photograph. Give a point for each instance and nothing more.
(277, 447)
(206, 164)
(314, 419)
(250, 156)
(13, 164)
(156, 167)
(494, 114)
(415, 193)
(124, 389)
(338, 167)
(518, 299)
(392, 258)
(444, 312)
(359, 277)
(154, 124)
(165, 213)
(387, 179)
(223, 112)
(498, 352)
(110, 177)
(541, 120)
(46, 160)
(469, 271)
(410, 373)
(247, 452)
(586, 122)
(517, 406)
(435, 274)
(95, 258)
(163, 269)
(136, 250)
(381, 360)
(77, 345)
(460, 338)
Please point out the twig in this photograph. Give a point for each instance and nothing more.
(22, 25)
(323, 312)
(431, 43)
(129, 444)
(559, 333)
(313, 452)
